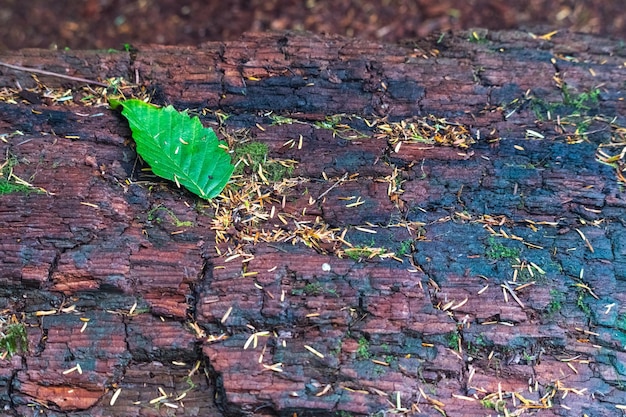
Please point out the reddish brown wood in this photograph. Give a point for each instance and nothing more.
(94, 247)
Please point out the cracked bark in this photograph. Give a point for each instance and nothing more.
(95, 261)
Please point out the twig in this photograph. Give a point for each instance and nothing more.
(563, 135)
(342, 179)
(512, 292)
(52, 74)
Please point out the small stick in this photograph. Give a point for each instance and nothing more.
(52, 74)
(511, 291)
(342, 179)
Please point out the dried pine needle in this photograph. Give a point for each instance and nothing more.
(314, 351)
(427, 130)
(226, 315)
(115, 395)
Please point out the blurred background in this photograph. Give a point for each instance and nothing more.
(81, 24)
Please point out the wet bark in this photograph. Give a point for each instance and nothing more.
(503, 267)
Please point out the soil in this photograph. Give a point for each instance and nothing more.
(106, 24)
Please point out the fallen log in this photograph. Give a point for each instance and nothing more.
(437, 228)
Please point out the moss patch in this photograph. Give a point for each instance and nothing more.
(496, 250)
(9, 183)
(363, 350)
(252, 156)
(13, 339)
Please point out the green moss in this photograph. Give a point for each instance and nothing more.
(153, 216)
(314, 288)
(523, 276)
(358, 253)
(363, 351)
(8, 182)
(13, 339)
(278, 120)
(453, 339)
(476, 37)
(582, 304)
(334, 123)
(583, 101)
(252, 155)
(496, 250)
(330, 122)
(405, 247)
(498, 405)
(556, 300)
(575, 112)
(479, 343)
(7, 187)
(572, 106)
(488, 404)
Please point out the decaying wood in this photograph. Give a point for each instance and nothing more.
(502, 280)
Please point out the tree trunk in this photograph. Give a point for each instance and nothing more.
(440, 236)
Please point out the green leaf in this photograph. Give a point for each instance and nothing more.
(177, 147)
